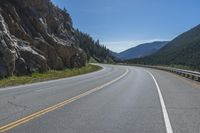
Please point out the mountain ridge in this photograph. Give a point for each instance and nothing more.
(141, 50)
(183, 50)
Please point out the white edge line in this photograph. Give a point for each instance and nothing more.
(164, 109)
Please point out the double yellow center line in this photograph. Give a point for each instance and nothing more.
(54, 107)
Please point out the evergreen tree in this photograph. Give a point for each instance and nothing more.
(93, 48)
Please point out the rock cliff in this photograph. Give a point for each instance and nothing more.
(36, 36)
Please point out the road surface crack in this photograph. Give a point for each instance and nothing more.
(18, 105)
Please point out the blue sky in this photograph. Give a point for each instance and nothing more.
(121, 24)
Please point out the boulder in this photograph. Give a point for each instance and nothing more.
(21, 67)
(33, 60)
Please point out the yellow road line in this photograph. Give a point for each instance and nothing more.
(56, 106)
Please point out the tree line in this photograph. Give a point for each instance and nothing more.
(93, 49)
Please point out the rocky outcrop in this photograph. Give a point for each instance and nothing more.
(36, 36)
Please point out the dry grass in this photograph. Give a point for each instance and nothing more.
(50, 75)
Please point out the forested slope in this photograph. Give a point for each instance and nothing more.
(184, 50)
(94, 49)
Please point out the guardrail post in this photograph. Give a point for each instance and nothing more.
(193, 77)
(198, 79)
(183, 74)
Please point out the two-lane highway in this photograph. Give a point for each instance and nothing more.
(116, 99)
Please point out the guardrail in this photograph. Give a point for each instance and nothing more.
(185, 73)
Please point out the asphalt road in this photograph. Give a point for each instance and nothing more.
(116, 99)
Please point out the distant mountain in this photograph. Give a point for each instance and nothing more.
(115, 54)
(141, 50)
(183, 50)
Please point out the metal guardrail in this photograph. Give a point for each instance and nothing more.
(185, 73)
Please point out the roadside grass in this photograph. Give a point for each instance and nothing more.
(50, 75)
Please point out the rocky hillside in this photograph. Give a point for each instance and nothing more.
(36, 36)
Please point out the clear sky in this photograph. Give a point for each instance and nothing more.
(121, 24)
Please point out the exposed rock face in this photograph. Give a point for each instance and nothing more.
(36, 36)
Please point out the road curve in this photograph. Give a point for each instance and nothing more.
(116, 99)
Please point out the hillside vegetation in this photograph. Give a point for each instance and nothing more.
(184, 50)
(50, 75)
(93, 49)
